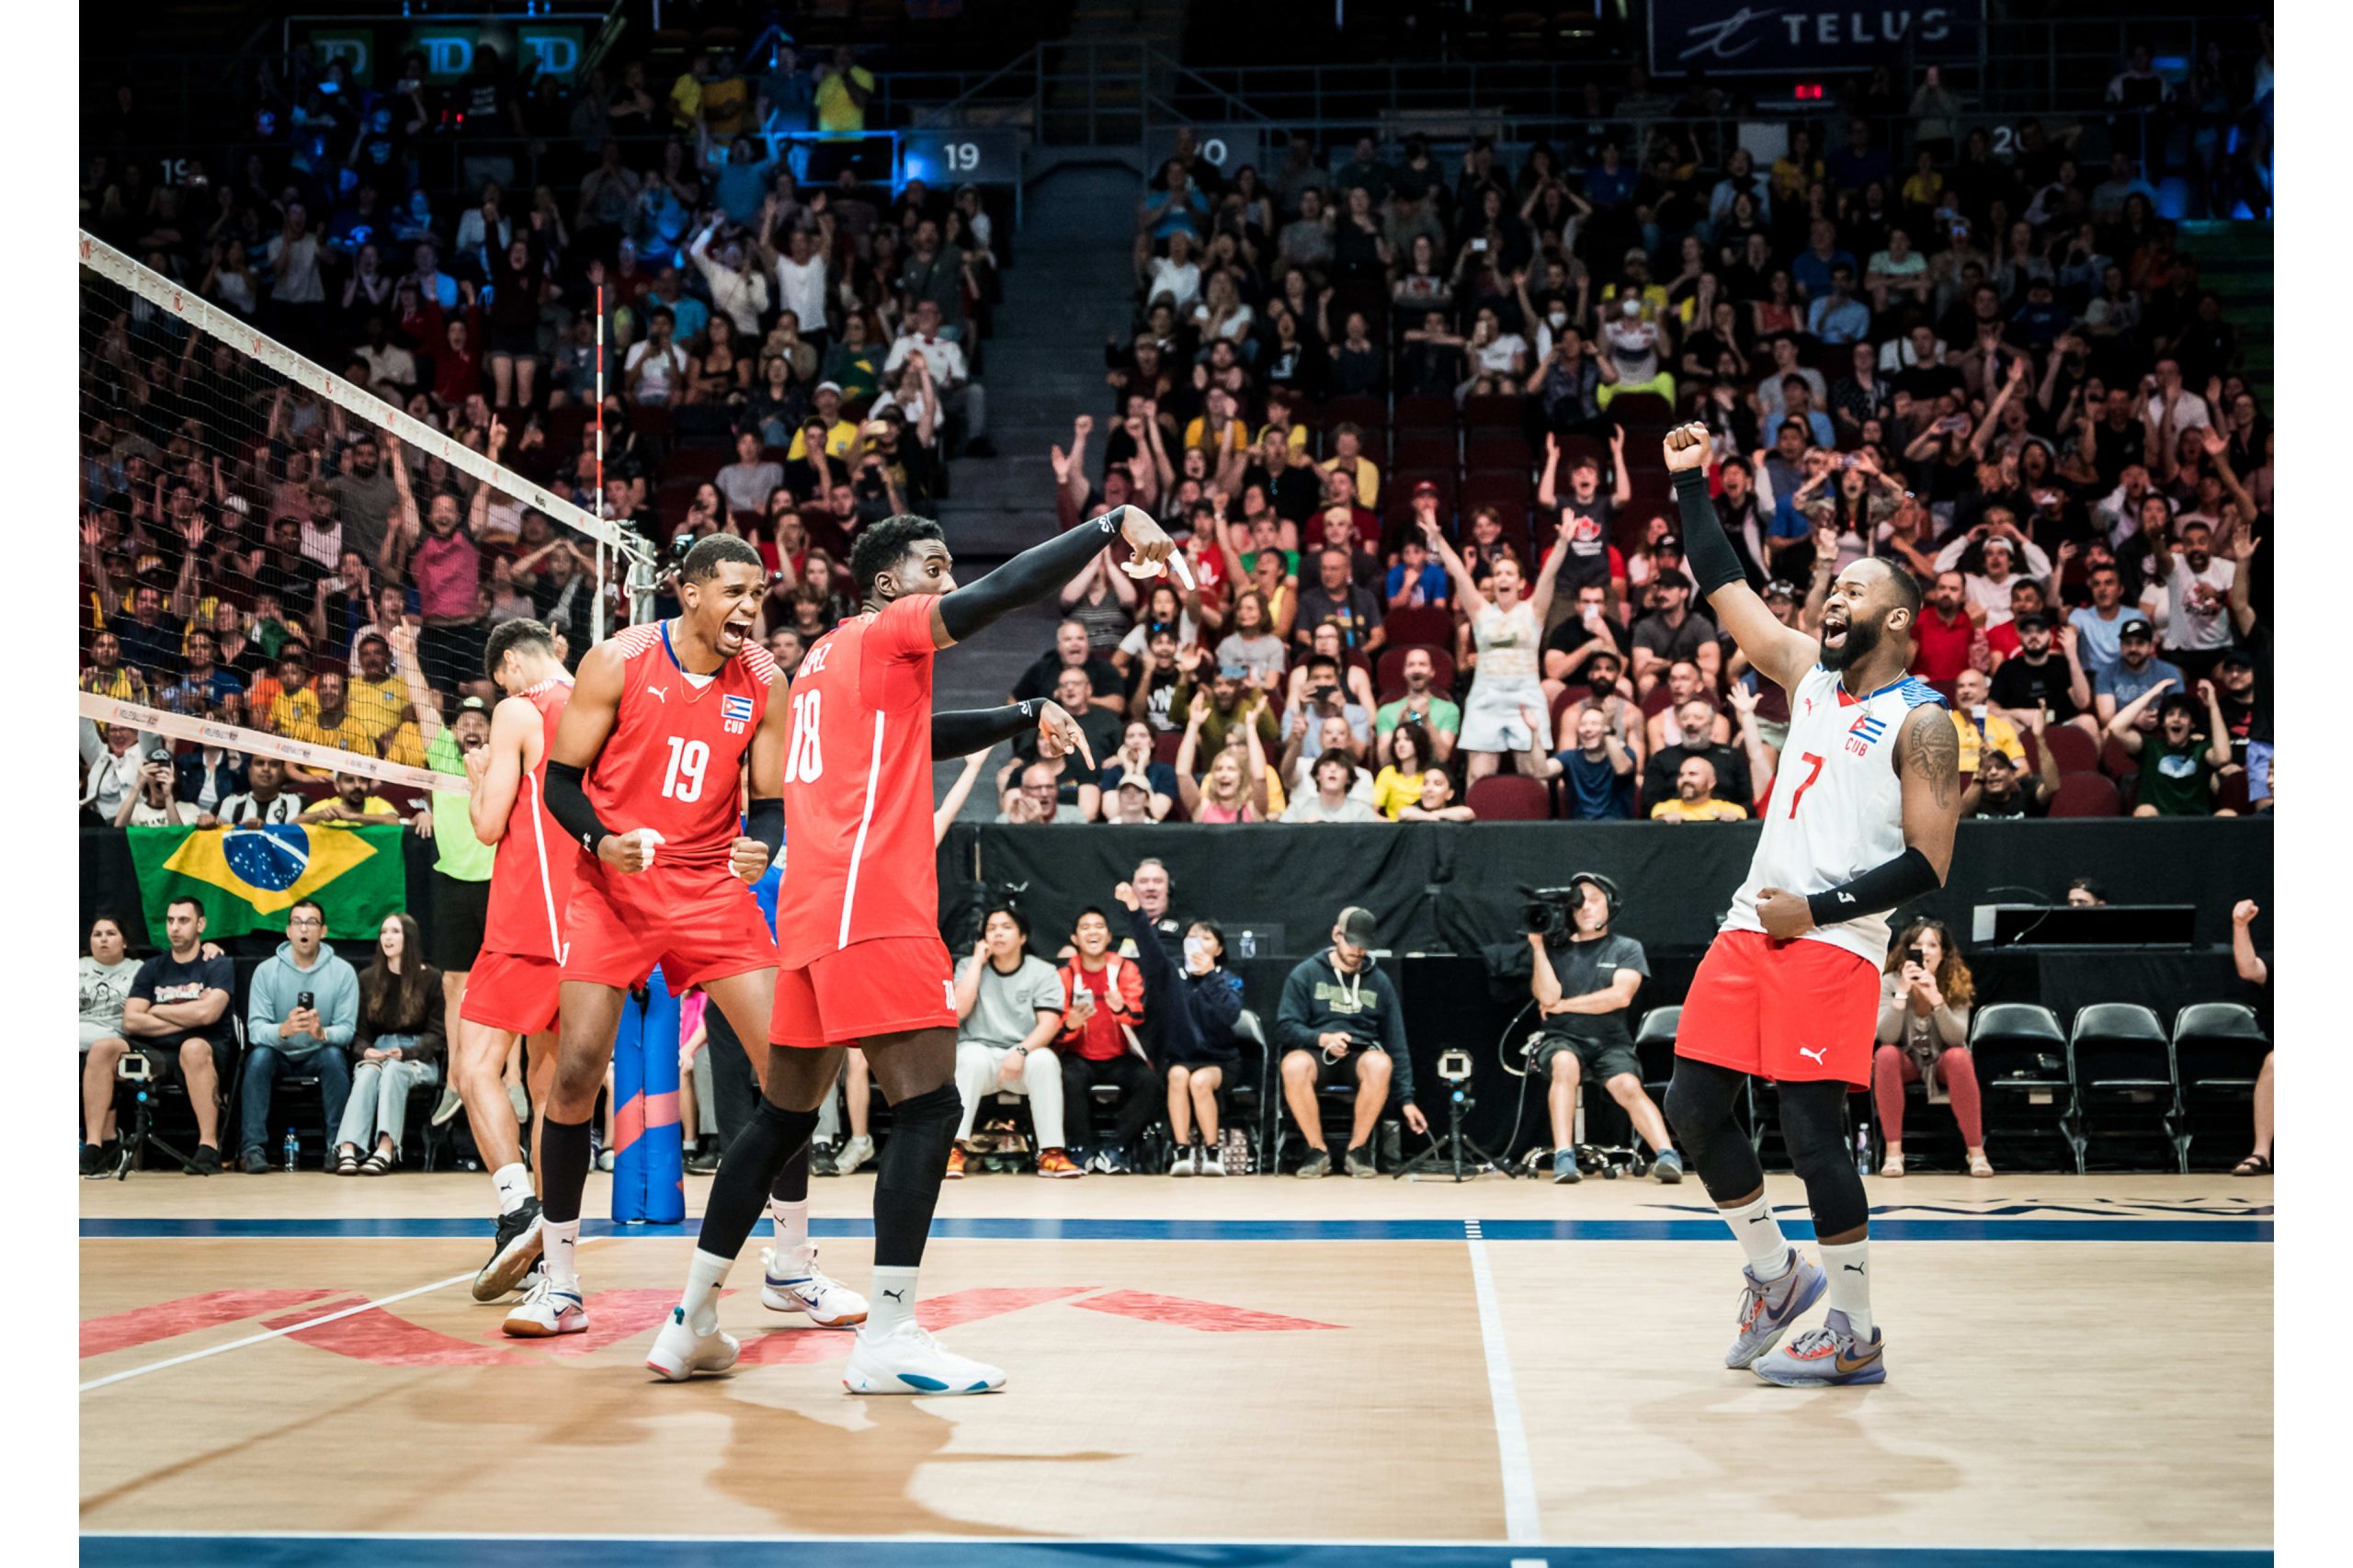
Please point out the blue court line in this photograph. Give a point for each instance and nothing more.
(449, 1552)
(1079, 1230)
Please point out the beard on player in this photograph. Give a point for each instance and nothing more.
(1845, 642)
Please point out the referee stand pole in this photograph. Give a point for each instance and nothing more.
(649, 1154)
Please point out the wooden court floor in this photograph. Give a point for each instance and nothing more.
(290, 1369)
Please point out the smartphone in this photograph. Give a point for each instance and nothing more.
(1480, 245)
(1914, 956)
(302, 1000)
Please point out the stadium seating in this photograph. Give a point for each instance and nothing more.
(2218, 1047)
(2022, 1075)
(2122, 1067)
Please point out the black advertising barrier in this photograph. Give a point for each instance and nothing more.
(1450, 888)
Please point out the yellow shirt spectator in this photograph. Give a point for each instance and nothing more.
(1680, 810)
(841, 440)
(837, 110)
(379, 705)
(1999, 732)
(1367, 478)
(686, 98)
(726, 105)
(1393, 792)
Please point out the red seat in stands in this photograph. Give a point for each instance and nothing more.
(1510, 797)
(2085, 795)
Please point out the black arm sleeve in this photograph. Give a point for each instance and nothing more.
(968, 729)
(1877, 890)
(1027, 578)
(765, 821)
(568, 803)
(1707, 548)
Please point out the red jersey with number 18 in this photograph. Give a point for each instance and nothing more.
(858, 788)
(677, 749)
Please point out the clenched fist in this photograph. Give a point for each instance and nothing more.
(1688, 447)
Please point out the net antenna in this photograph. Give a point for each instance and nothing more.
(153, 371)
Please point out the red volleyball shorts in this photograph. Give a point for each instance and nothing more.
(1795, 1012)
(884, 985)
(514, 991)
(699, 923)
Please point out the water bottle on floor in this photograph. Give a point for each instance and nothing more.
(293, 1149)
(1863, 1149)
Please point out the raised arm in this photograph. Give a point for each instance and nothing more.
(1038, 571)
(1781, 654)
(2242, 551)
(2122, 726)
(1540, 599)
(2251, 967)
(1466, 591)
(952, 803)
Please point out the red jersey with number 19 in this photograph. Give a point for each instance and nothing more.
(677, 750)
(858, 788)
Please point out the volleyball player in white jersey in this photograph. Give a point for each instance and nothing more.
(1860, 821)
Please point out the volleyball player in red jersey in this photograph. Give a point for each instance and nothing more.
(644, 777)
(858, 921)
(511, 991)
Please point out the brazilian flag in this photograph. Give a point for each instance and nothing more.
(248, 877)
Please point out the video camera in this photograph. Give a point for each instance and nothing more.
(1550, 913)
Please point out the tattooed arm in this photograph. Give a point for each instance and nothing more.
(1928, 758)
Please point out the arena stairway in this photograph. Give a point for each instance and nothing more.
(1044, 366)
(2234, 259)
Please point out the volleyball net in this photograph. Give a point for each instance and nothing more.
(316, 554)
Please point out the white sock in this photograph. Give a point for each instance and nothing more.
(705, 1274)
(894, 1299)
(1850, 1284)
(792, 1229)
(1759, 1235)
(559, 1249)
(513, 1185)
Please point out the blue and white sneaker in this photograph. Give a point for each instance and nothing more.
(679, 1352)
(799, 1285)
(1830, 1356)
(1767, 1308)
(908, 1360)
(545, 1311)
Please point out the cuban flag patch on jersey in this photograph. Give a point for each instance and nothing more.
(735, 708)
(1864, 734)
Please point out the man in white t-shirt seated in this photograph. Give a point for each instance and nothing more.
(961, 397)
(655, 369)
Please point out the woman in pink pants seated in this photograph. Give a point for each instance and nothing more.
(1925, 997)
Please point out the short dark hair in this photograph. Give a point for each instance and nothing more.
(1094, 909)
(1906, 586)
(886, 544)
(309, 903)
(1325, 660)
(520, 632)
(170, 905)
(1348, 763)
(1021, 921)
(711, 552)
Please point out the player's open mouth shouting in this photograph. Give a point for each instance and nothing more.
(1834, 626)
(733, 633)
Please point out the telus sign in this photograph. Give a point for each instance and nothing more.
(1728, 38)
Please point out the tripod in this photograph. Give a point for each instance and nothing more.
(1449, 1154)
(141, 1132)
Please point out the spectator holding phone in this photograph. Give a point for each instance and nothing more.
(1924, 997)
(301, 1016)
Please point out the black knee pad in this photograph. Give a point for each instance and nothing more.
(922, 1128)
(1813, 1128)
(1700, 1101)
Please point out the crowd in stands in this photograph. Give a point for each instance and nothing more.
(1406, 405)
(790, 349)
(1400, 404)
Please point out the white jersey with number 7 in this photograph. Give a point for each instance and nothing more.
(1838, 803)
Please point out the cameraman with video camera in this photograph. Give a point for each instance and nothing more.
(1584, 976)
